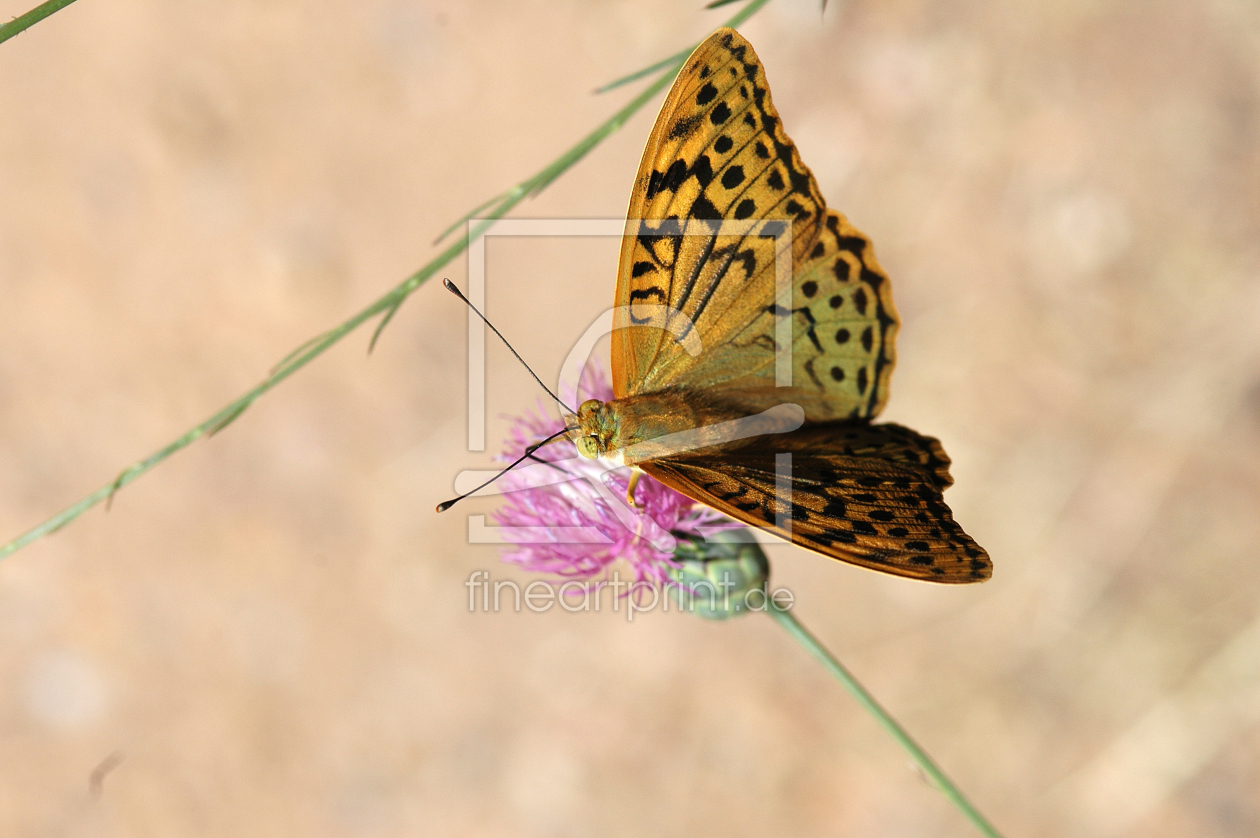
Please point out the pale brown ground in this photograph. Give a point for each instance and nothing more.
(272, 628)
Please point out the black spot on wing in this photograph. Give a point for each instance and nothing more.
(642, 294)
(854, 244)
(813, 376)
(685, 126)
(702, 171)
(674, 175)
(704, 209)
(651, 292)
(648, 243)
(654, 184)
(857, 246)
(800, 180)
(835, 508)
(707, 94)
(810, 333)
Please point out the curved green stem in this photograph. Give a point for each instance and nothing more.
(23, 22)
(789, 622)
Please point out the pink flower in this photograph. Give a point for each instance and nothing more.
(577, 523)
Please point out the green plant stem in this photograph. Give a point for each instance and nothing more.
(646, 71)
(789, 622)
(386, 305)
(34, 16)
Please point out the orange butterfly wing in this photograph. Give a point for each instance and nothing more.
(718, 154)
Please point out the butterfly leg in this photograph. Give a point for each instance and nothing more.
(634, 481)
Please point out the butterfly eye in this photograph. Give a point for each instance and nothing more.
(588, 447)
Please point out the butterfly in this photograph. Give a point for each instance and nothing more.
(710, 329)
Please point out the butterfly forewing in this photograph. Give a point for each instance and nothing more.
(866, 494)
(718, 153)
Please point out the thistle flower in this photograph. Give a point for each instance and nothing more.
(578, 526)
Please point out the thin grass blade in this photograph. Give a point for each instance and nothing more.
(23, 22)
(472, 213)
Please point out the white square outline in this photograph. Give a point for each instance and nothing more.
(478, 532)
(605, 227)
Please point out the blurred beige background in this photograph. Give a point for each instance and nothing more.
(272, 628)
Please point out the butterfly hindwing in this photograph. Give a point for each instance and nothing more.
(865, 494)
(718, 153)
(845, 323)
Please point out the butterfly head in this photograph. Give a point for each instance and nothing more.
(593, 430)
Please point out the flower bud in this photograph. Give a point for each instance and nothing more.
(721, 576)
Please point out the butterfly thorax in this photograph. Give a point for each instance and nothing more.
(625, 429)
(606, 428)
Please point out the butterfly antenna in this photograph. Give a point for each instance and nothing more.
(529, 454)
(450, 286)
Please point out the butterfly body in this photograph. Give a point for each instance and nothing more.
(708, 420)
(753, 341)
